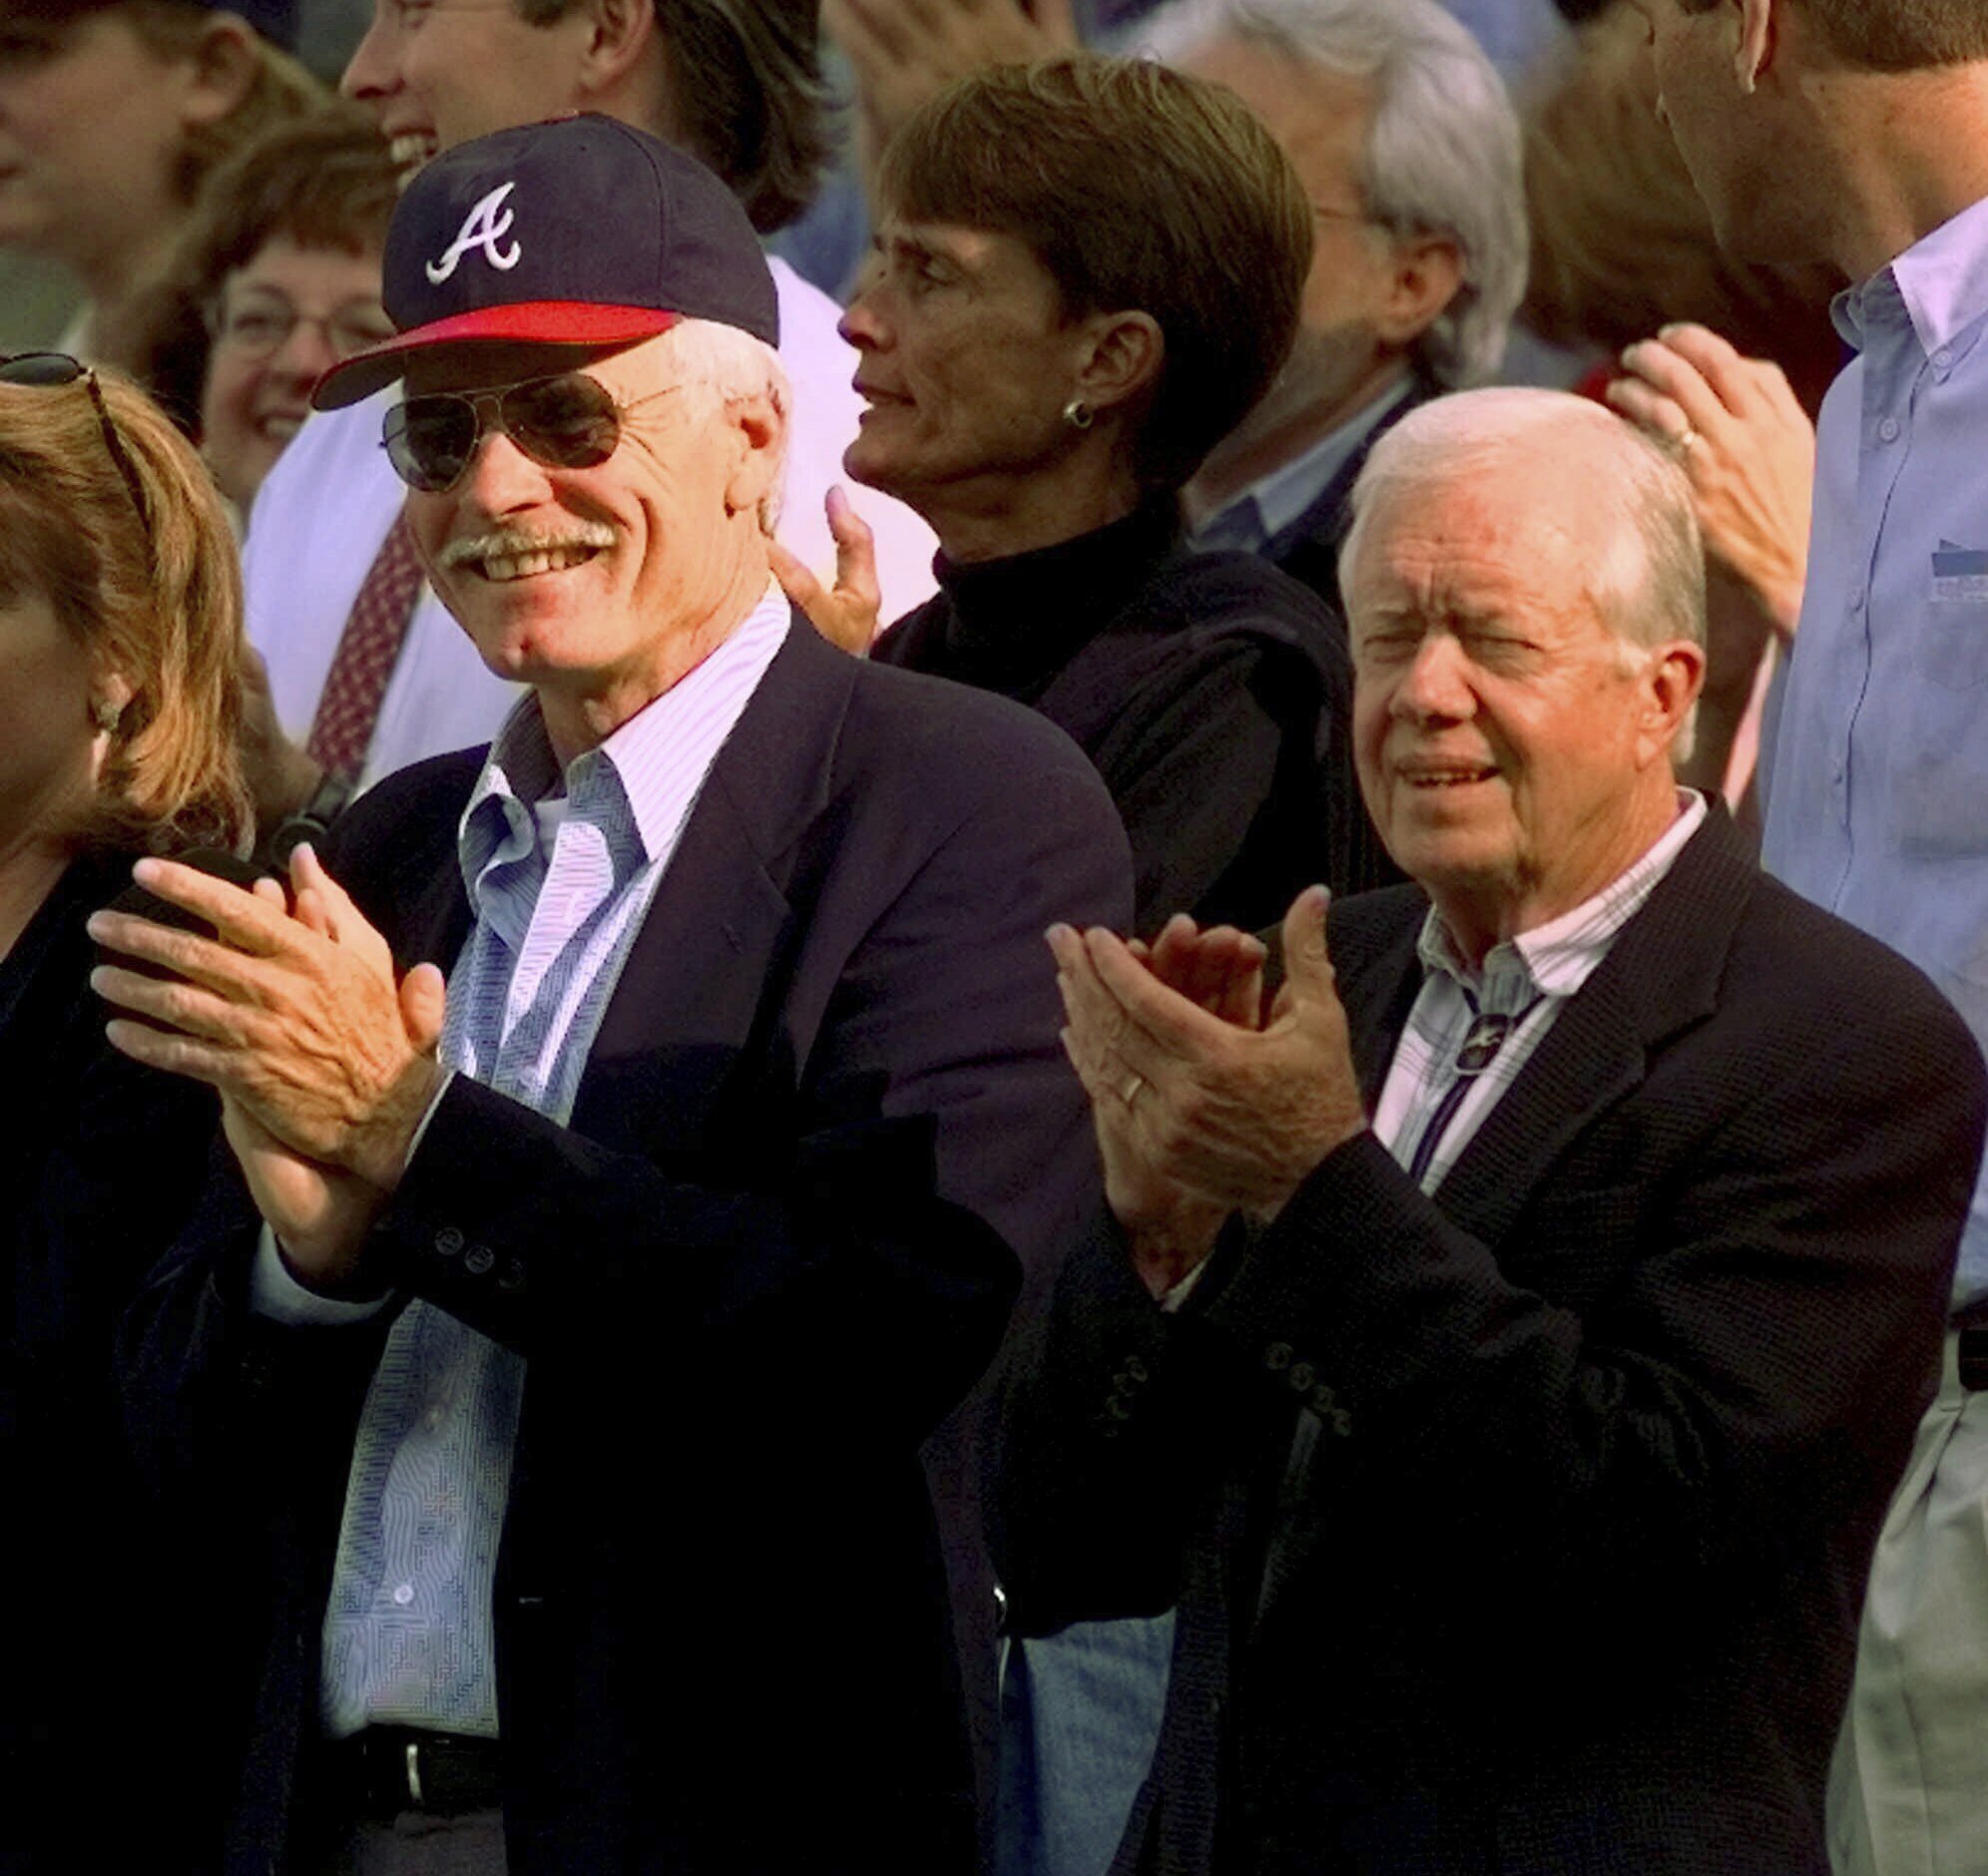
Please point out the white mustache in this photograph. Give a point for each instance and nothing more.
(514, 543)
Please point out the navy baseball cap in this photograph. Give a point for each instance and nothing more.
(583, 231)
(274, 20)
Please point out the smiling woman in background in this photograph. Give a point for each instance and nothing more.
(120, 635)
(273, 280)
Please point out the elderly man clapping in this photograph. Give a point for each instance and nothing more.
(1546, 1281)
(553, 1372)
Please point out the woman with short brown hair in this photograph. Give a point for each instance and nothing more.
(1087, 271)
(273, 279)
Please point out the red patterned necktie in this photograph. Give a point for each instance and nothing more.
(343, 731)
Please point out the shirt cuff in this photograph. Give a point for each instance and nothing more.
(414, 1144)
(1174, 1297)
(275, 1293)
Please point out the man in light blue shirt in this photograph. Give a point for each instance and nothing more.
(1857, 131)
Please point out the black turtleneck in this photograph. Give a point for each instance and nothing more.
(1211, 691)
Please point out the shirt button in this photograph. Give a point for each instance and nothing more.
(1942, 359)
(1888, 430)
(404, 1595)
(433, 1417)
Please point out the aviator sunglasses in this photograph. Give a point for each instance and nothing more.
(52, 370)
(570, 421)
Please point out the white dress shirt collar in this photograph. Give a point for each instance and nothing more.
(1557, 958)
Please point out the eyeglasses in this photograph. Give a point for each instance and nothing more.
(570, 421)
(53, 369)
(261, 326)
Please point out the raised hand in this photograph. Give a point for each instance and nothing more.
(904, 52)
(1200, 1116)
(1747, 447)
(847, 614)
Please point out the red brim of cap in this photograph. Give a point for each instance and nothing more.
(530, 322)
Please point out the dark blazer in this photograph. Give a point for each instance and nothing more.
(100, 1161)
(1591, 1447)
(764, 1261)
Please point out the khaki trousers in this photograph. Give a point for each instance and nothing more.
(1908, 1791)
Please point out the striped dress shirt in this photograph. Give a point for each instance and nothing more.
(1421, 1114)
(559, 881)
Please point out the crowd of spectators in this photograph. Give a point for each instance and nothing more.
(1025, 937)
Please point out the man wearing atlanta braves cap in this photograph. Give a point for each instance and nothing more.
(738, 84)
(635, 1124)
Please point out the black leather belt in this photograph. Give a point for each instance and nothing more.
(1972, 1324)
(385, 1770)
(1974, 1360)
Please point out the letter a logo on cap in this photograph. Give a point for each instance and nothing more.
(483, 229)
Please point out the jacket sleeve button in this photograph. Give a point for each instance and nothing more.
(449, 1241)
(1277, 1356)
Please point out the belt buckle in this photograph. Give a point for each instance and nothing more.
(1974, 1360)
(413, 1770)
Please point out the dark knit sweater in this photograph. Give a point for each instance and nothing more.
(1211, 691)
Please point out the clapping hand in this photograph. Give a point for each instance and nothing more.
(1204, 1103)
(323, 1060)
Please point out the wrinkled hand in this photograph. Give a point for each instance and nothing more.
(1747, 447)
(320, 1214)
(904, 52)
(845, 615)
(1198, 1115)
(1220, 969)
(297, 1021)
(280, 777)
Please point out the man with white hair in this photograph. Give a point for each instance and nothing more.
(1503, 1342)
(1406, 142)
(366, 671)
(611, 1292)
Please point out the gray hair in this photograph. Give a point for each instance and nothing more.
(1442, 155)
(731, 366)
(1648, 582)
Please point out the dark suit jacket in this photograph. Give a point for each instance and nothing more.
(1600, 1437)
(100, 1161)
(744, 1294)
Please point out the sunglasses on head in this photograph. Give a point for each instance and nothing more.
(52, 370)
(570, 421)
